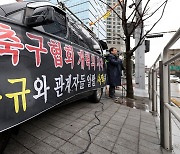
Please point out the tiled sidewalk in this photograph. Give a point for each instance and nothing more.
(122, 130)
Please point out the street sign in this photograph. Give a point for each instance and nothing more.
(174, 68)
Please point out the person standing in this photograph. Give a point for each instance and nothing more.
(114, 71)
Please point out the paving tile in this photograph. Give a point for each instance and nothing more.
(122, 150)
(40, 134)
(148, 122)
(54, 141)
(154, 130)
(130, 132)
(78, 125)
(14, 147)
(133, 122)
(27, 152)
(146, 132)
(149, 138)
(91, 126)
(63, 134)
(84, 134)
(116, 122)
(87, 117)
(143, 124)
(104, 116)
(70, 128)
(149, 144)
(108, 113)
(66, 112)
(145, 150)
(123, 112)
(107, 136)
(60, 114)
(127, 144)
(26, 139)
(58, 124)
(76, 114)
(118, 119)
(65, 121)
(58, 152)
(69, 148)
(145, 118)
(42, 147)
(125, 108)
(46, 127)
(29, 128)
(54, 117)
(81, 121)
(114, 127)
(102, 122)
(129, 137)
(68, 117)
(110, 131)
(64, 131)
(95, 149)
(95, 131)
(131, 127)
(78, 141)
(108, 145)
(134, 112)
(134, 117)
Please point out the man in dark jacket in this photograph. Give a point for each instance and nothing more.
(114, 71)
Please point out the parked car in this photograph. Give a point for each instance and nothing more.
(178, 80)
(47, 58)
(174, 79)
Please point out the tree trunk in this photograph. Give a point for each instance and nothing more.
(130, 92)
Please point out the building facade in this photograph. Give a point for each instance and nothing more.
(89, 11)
(114, 28)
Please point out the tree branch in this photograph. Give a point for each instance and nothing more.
(157, 10)
(142, 38)
(111, 8)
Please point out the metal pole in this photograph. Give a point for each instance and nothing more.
(161, 104)
(155, 94)
(140, 52)
(150, 84)
(167, 116)
(152, 90)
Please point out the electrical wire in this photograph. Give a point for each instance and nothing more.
(99, 122)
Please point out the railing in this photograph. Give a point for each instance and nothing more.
(161, 68)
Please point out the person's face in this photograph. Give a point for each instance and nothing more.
(114, 51)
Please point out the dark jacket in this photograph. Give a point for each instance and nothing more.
(114, 70)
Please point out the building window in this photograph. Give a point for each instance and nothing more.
(118, 27)
(118, 19)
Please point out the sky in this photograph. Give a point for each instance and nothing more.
(169, 22)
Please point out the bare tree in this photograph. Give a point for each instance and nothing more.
(136, 18)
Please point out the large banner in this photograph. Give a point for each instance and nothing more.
(39, 71)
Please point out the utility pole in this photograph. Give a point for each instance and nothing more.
(140, 52)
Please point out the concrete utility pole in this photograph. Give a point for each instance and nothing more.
(139, 53)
